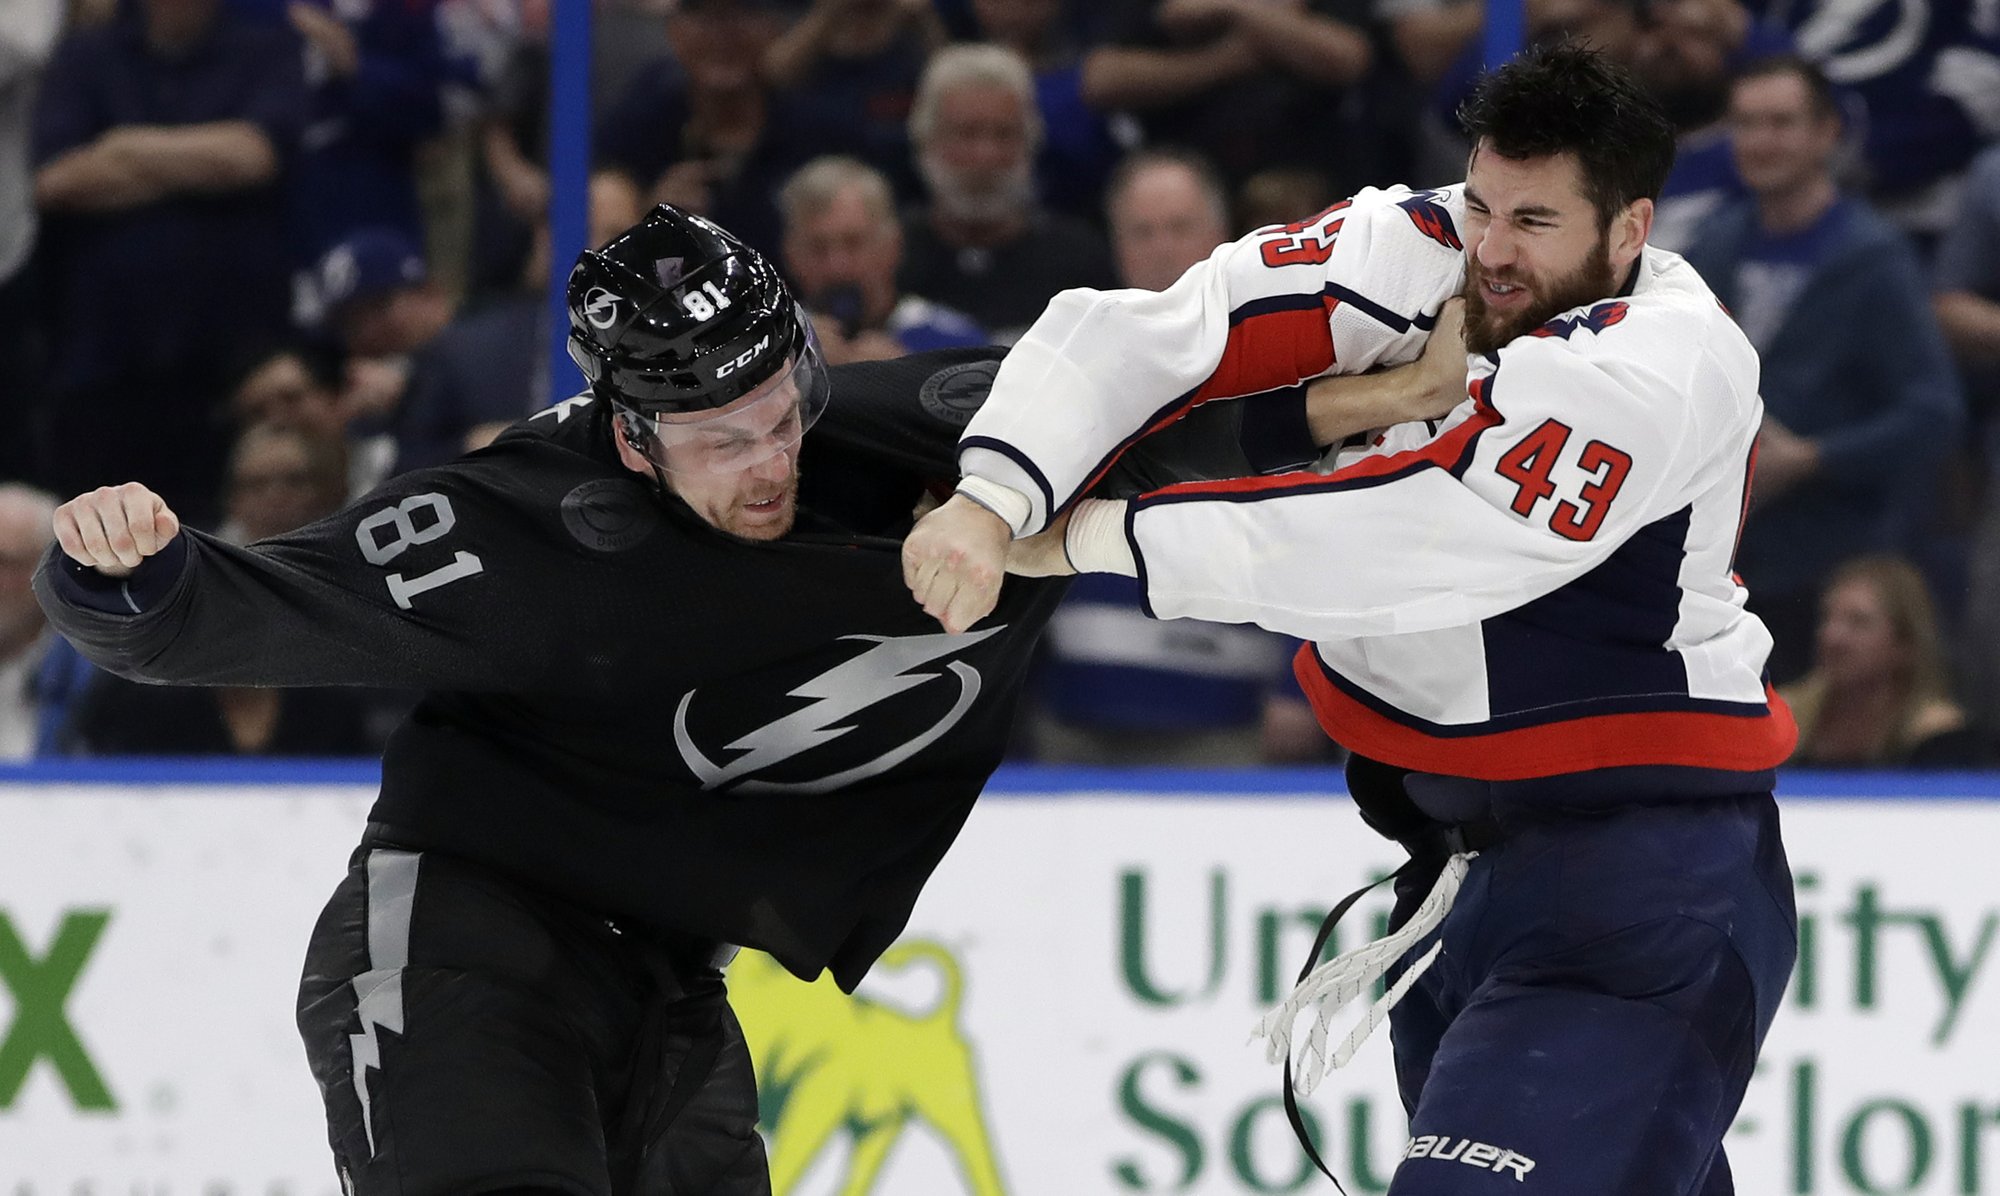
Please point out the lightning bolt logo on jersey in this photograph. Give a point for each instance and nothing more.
(840, 697)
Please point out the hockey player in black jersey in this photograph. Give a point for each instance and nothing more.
(676, 698)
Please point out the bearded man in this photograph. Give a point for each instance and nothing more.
(1522, 617)
(983, 245)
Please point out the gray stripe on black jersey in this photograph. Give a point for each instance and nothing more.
(378, 991)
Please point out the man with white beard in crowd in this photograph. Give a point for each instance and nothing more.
(984, 245)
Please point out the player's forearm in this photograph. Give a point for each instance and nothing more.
(233, 155)
(1125, 77)
(1971, 324)
(1310, 46)
(1344, 405)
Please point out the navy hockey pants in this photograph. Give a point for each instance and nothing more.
(1592, 1023)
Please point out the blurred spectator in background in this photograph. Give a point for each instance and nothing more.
(378, 295)
(295, 385)
(1878, 695)
(842, 247)
(1437, 44)
(1249, 83)
(510, 190)
(28, 697)
(626, 37)
(1114, 686)
(1167, 210)
(282, 478)
(300, 385)
(382, 308)
(1078, 148)
(1431, 35)
(489, 367)
(1686, 57)
(1927, 81)
(855, 63)
(28, 30)
(279, 479)
(1967, 302)
(1283, 196)
(983, 245)
(1612, 27)
(703, 131)
(1860, 398)
(1967, 276)
(376, 71)
(161, 139)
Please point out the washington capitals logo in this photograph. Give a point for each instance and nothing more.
(1427, 212)
(837, 696)
(1597, 319)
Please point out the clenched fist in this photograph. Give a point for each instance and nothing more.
(954, 561)
(113, 528)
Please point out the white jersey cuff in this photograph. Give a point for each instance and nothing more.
(1009, 504)
(1095, 541)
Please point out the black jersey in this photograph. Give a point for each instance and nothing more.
(766, 743)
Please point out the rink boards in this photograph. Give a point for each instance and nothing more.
(1069, 1015)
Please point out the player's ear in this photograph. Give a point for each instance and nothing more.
(1629, 230)
(629, 433)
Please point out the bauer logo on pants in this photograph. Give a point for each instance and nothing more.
(1444, 1148)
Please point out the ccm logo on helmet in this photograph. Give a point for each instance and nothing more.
(742, 359)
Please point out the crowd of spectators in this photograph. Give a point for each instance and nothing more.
(262, 254)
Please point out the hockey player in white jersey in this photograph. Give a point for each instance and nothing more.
(1523, 620)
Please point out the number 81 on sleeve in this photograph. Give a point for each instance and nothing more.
(400, 523)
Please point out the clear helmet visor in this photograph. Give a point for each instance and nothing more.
(749, 431)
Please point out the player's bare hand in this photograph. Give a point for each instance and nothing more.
(1042, 554)
(1441, 366)
(954, 561)
(1340, 405)
(113, 528)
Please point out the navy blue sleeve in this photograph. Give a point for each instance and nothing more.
(1276, 435)
(147, 586)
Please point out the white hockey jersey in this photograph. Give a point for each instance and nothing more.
(1538, 585)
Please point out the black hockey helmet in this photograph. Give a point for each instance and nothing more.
(682, 327)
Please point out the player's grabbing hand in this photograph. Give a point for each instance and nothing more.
(113, 528)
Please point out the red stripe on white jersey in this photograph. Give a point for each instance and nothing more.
(1672, 738)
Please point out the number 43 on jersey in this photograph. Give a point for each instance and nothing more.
(1529, 464)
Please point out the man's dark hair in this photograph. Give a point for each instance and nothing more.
(1819, 89)
(1566, 98)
